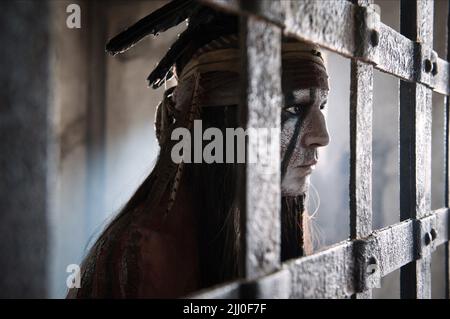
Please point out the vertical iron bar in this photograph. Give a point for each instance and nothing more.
(361, 105)
(415, 146)
(361, 101)
(261, 109)
(447, 169)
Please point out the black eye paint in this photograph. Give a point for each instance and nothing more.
(293, 141)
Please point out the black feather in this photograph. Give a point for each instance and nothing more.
(163, 69)
(205, 26)
(160, 20)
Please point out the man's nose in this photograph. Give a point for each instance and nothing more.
(316, 134)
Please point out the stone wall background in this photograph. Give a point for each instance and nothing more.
(25, 157)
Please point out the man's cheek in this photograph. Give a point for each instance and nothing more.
(286, 135)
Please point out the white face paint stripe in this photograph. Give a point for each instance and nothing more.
(313, 125)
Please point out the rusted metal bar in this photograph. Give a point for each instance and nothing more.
(361, 104)
(441, 229)
(332, 25)
(415, 147)
(394, 246)
(447, 166)
(447, 190)
(336, 271)
(299, 18)
(327, 274)
(361, 99)
(261, 109)
(274, 286)
(442, 78)
(415, 152)
(222, 291)
(353, 266)
(398, 53)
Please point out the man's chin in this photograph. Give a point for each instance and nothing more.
(295, 186)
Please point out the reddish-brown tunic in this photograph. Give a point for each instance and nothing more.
(140, 256)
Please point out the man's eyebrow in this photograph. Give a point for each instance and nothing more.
(290, 98)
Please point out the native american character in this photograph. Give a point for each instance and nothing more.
(180, 231)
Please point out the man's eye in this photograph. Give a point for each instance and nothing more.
(323, 105)
(296, 110)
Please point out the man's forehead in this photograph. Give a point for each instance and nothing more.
(305, 95)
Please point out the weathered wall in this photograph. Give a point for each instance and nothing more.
(103, 119)
(131, 145)
(70, 64)
(25, 156)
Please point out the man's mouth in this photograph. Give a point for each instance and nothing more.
(308, 165)
(306, 169)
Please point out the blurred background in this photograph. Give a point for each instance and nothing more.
(77, 138)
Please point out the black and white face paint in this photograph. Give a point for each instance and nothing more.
(303, 130)
(305, 89)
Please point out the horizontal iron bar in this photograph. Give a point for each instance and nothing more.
(393, 246)
(335, 30)
(397, 54)
(221, 291)
(333, 273)
(442, 222)
(443, 77)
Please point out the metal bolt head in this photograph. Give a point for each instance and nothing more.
(428, 65)
(372, 265)
(435, 69)
(433, 234)
(374, 38)
(428, 238)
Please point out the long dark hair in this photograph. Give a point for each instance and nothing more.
(213, 190)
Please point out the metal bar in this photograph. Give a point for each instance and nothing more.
(394, 246)
(327, 274)
(261, 100)
(398, 54)
(275, 285)
(441, 227)
(361, 103)
(332, 272)
(361, 153)
(401, 244)
(447, 191)
(447, 163)
(331, 24)
(299, 18)
(415, 134)
(415, 147)
(223, 291)
(442, 79)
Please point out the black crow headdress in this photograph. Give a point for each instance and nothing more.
(204, 25)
